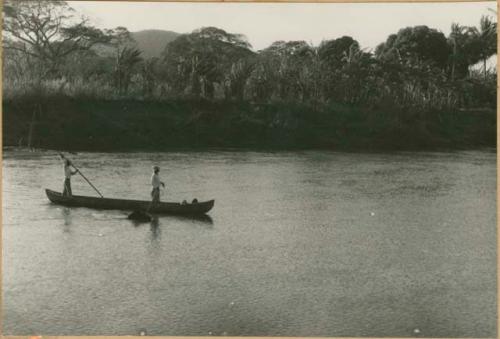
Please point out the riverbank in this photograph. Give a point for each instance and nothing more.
(127, 125)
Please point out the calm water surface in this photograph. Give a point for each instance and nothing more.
(300, 244)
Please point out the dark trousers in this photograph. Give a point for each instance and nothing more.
(155, 195)
(67, 187)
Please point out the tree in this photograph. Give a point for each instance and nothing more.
(236, 79)
(198, 60)
(357, 81)
(286, 67)
(149, 74)
(416, 44)
(483, 42)
(458, 40)
(46, 32)
(42, 35)
(334, 55)
(332, 52)
(127, 56)
(126, 60)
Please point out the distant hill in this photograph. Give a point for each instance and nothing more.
(152, 42)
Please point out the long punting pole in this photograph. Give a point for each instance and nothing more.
(84, 177)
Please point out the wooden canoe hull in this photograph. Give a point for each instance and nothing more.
(199, 208)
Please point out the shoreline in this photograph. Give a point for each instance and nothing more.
(13, 149)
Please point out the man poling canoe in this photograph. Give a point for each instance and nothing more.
(141, 208)
(67, 164)
(67, 176)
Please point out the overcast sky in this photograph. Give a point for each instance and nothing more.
(264, 23)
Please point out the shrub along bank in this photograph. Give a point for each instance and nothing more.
(66, 123)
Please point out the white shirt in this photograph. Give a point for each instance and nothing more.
(67, 172)
(155, 180)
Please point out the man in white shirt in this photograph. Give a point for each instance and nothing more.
(67, 178)
(156, 182)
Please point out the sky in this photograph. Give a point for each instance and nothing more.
(264, 23)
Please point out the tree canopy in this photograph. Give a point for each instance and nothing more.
(47, 43)
(416, 44)
(195, 61)
(47, 31)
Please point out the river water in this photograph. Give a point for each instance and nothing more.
(298, 244)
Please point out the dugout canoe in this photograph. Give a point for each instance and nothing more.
(199, 208)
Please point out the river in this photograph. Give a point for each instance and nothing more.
(298, 244)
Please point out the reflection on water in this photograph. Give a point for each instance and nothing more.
(195, 219)
(155, 229)
(298, 244)
(66, 213)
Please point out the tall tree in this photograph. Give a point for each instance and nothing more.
(288, 65)
(149, 75)
(416, 44)
(127, 57)
(332, 52)
(198, 60)
(126, 61)
(237, 77)
(334, 55)
(458, 39)
(484, 41)
(46, 32)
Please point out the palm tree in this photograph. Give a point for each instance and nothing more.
(149, 75)
(456, 39)
(485, 38)
(237, 77)
(126, 59)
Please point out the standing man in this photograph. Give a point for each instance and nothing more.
(67, 177)
(156, 182)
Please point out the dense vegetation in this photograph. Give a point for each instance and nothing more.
(209, 88)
